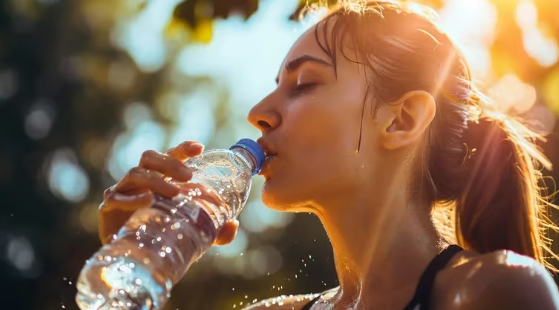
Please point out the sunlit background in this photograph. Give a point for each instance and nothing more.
(87, 85)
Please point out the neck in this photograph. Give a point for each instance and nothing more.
(381, 247)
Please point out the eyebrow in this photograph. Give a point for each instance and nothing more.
(298, 62)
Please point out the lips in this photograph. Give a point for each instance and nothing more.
(265, 145)
(264, 171)
(268, 151)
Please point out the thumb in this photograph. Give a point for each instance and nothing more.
(227, 232)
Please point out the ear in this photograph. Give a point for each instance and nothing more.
(406, 119)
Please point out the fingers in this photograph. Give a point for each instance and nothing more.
(139, 180)
(203, 193)
(227, 233)
(165, 164)
(185, 150)
(128, 203)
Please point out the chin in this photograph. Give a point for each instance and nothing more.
(283, 198)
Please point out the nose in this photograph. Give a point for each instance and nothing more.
(264, 116)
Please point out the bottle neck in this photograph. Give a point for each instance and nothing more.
(247, 158)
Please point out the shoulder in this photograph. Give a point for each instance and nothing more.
(498, 280)
(287, 302)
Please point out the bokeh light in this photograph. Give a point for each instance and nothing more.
(66, 178)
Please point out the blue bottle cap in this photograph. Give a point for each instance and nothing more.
(253, 148)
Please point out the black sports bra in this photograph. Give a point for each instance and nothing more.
(422, 298)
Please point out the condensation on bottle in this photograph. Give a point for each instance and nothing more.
(157, 245)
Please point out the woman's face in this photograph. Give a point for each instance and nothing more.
(312, 123)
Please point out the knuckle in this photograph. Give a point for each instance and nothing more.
(149, 154)
(109, 191)
(136, 172)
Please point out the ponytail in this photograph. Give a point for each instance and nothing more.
(501, 206)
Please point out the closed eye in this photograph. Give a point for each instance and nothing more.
(301, 89)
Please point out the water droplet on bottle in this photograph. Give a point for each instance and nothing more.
(179, 236)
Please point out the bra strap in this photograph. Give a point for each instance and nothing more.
(422, 296)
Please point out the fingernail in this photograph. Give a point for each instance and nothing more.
(122, 197)
(185, 171)
(197, 145)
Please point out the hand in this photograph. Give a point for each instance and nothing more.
(136, 189)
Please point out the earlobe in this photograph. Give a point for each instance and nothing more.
(409, 117)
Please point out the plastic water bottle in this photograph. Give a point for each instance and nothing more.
(155, 248)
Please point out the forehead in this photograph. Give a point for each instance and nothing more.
(307, 44)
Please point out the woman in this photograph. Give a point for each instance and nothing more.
(373, 125)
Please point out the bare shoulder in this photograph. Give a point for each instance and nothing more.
(497, 280)
(288, 302)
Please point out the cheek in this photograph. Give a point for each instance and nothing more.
(317, 127)
(321, 142)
